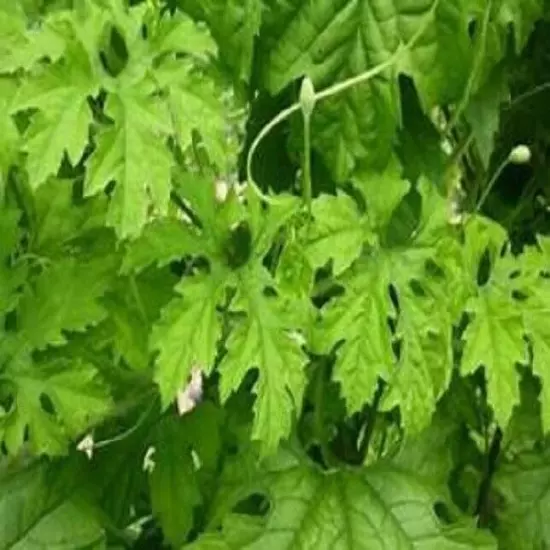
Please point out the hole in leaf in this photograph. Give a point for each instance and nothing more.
(238, 246)
(484, 269)
(269, 292)
(394, 297)
(47, 404)
(404, 220)
(114, 56)
(109, 188)
(7, 399)
(417, 288)
(519, 295)
(434, 270)
(396, 348)
(255, 504)
(472, 30)
(441, 510)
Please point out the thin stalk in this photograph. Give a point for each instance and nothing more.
(306, 188)
(370, 420)
(132, 429)
(137, 298)
(491, 184)
(318, 421)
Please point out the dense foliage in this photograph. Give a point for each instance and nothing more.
(274, 274)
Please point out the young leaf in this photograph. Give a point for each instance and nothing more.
(262, 341)
(361, 319)
(494, 339)
(162, 242)
(132, 153)
(60, 94)
(338, 232)
(425, 365)
(187, 333)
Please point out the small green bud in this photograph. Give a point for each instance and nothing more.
(307, 96)
(521, 154)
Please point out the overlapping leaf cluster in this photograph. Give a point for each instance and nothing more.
(129, 258)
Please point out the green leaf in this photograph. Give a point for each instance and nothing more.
(196, 105)
(132, 153)
(162, 242)
(382, 191)
(371, 508)
(360, 318)
(65, 297)
(9, 135)
(60, 94)
(524, 486)
(361, 123)
(134, 303)
(12, 276)
(425, 364)
(494, 339)
(483, 113)
(521, 15)
(338, 232)
(22, 44)
(178, 33)
(59, 219)
(187, 333)
(262, 341)
(173, 482)
(535, 311)
(39, 509)
(53, 402)
(234, 25)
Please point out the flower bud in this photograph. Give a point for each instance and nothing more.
(307, 96)
(521, 154)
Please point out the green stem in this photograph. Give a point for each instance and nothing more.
(318, 421)
(137, 297)
(307, 193)
(319, 96)
(370, 420)
(331, 91)
(132, 429)
(491, 184)
(526, 95)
